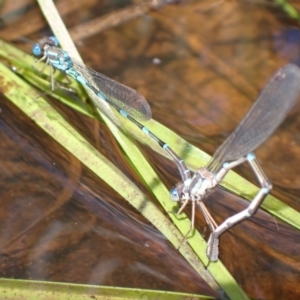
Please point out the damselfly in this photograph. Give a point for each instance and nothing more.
(266, 114)
(127, 101)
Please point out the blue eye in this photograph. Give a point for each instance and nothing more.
(36, 50)
(174, 194)
(54, 40)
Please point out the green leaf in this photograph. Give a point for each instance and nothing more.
(36, 290)
(288, 9)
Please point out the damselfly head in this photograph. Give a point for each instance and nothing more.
(177, 192)
(39, 47)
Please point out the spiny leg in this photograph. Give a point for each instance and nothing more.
(52, 71)
(207, 216)
(192, 222)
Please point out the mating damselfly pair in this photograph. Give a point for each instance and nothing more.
(266, 114)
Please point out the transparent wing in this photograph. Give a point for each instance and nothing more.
(266, 114)
(115, 93)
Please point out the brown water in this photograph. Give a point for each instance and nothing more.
(59, 222)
